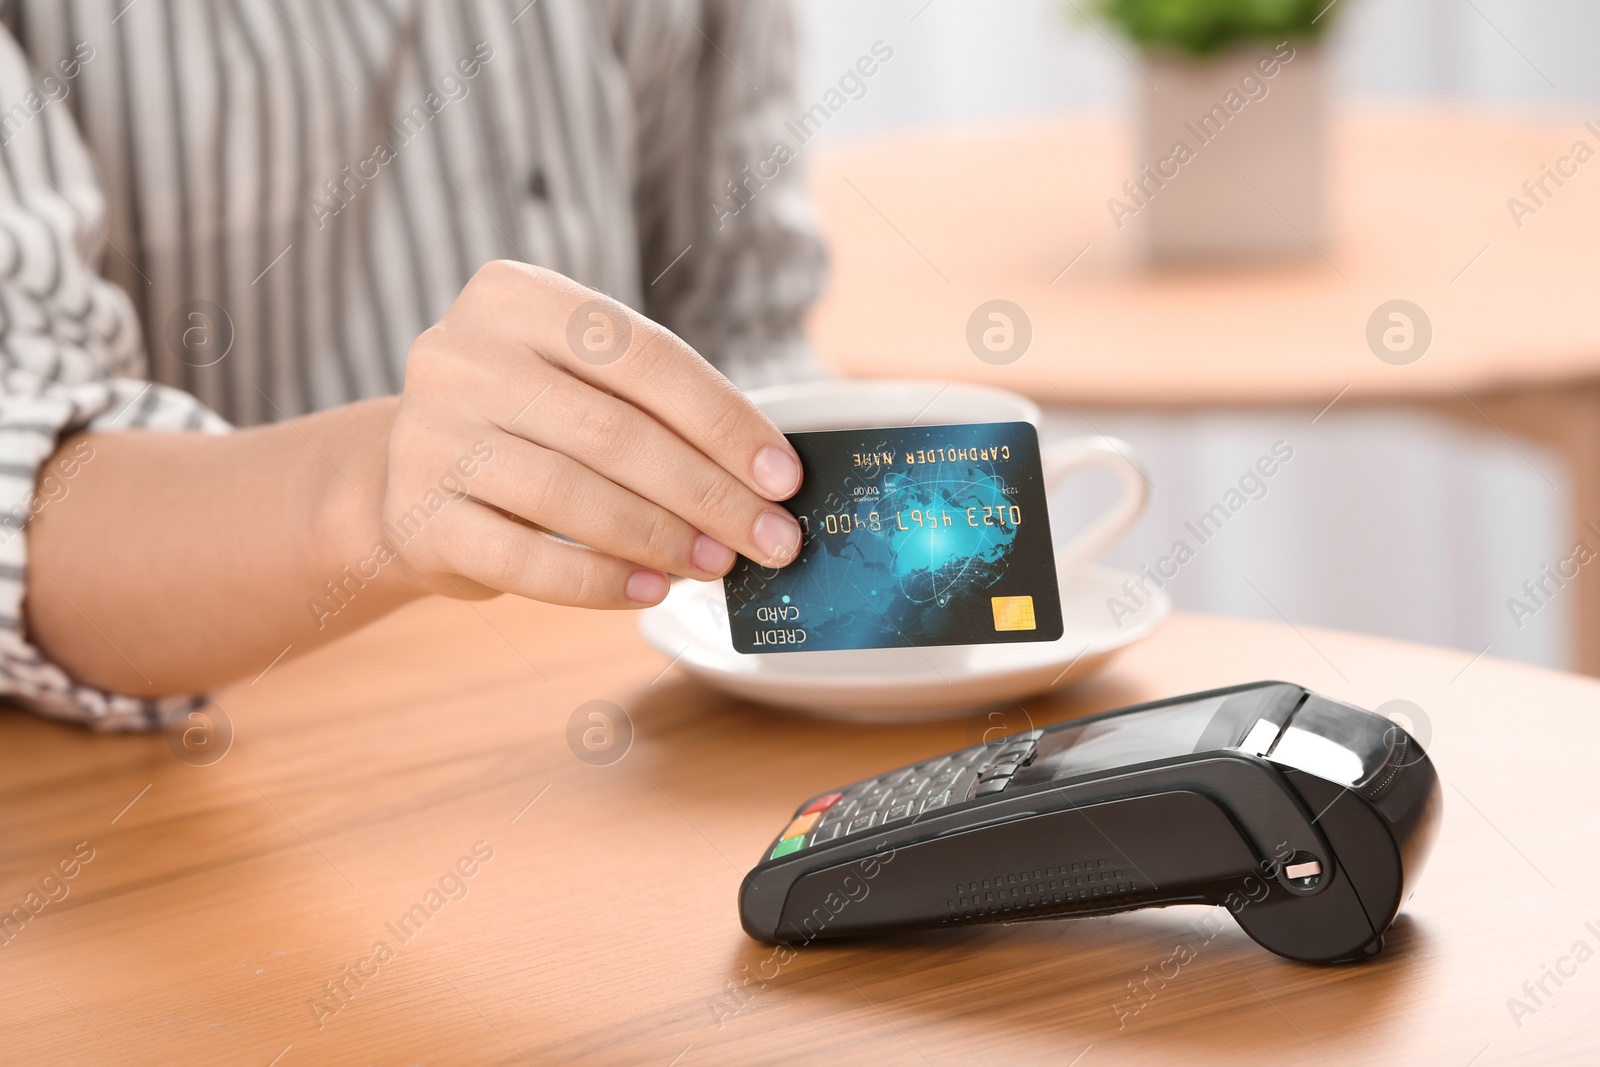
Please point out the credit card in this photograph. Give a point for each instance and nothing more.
(911, 536)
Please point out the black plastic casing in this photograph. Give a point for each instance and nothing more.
(1218, 825)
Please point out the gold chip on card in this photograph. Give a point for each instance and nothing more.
(1013, 612)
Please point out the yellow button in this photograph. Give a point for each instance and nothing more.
(1013, 612)
(802, 824)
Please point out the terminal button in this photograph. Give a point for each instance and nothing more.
(802, 824)
(788, 845)
(864, 821)
(821, 803)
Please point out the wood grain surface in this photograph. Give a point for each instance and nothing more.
(222, 904)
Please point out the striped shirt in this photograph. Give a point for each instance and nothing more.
(219, 212)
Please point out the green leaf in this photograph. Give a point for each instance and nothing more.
(1203, 27)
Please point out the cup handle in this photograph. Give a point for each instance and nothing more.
(1109, 453)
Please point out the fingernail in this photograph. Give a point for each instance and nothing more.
(777, 472)
(710, 555)
(646, 587)
(777, 535)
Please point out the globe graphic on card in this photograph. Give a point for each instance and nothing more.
(935, 557)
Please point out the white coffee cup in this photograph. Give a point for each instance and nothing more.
(859, 403)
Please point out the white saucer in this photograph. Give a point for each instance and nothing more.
(900, 684)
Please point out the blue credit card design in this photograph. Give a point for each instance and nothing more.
(912, 536)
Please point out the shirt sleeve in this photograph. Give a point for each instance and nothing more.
(731, 260)
(71, 360)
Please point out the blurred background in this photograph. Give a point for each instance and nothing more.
(1415, 507)
(966, 62)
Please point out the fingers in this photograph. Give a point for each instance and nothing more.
(615, 349)
(559, 493)
(491, 550)
(628, 447)
(623, 439)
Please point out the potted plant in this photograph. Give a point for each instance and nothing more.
(1231, 153)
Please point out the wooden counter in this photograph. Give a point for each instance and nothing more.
(223, 903)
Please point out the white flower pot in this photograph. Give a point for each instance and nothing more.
(1231, 158)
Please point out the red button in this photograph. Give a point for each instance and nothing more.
(821, 803)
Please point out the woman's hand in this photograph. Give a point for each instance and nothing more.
(536, 407)
(175, 562)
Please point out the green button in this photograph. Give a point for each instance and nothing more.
(788, 845)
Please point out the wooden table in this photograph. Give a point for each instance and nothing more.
(221, 900)
(925, 227)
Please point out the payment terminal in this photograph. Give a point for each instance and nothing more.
(1309, 819)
